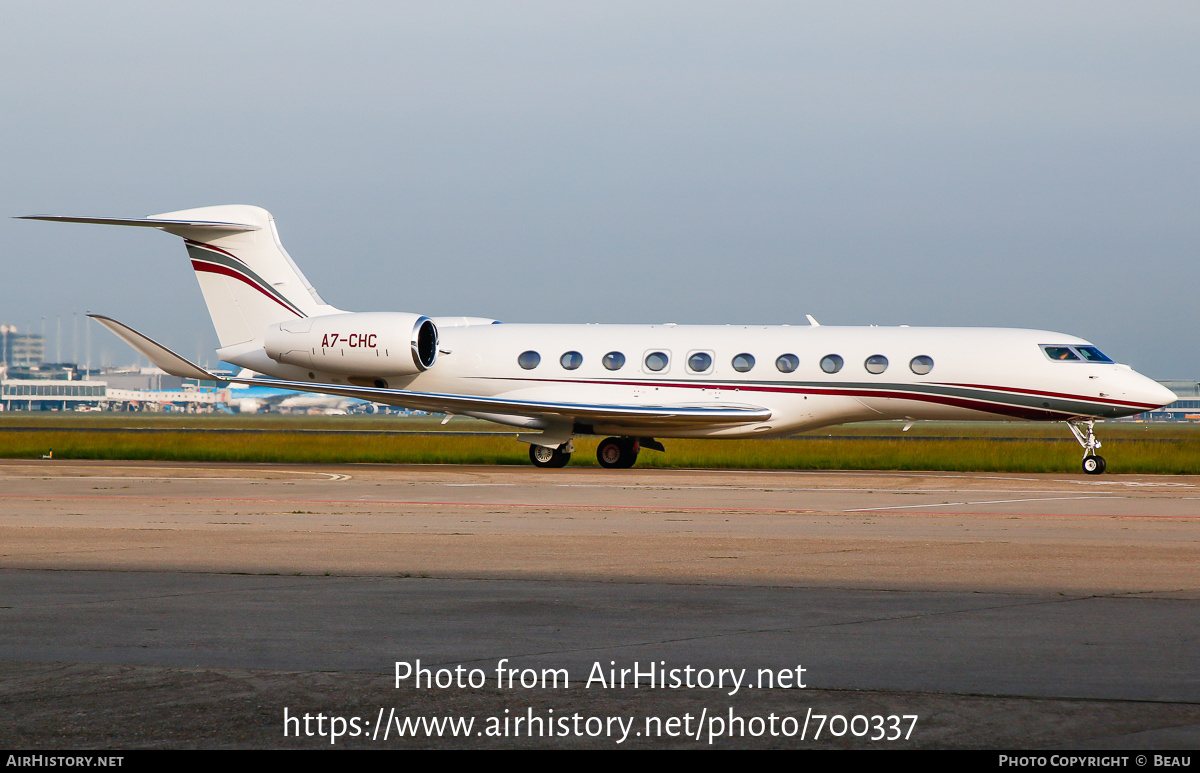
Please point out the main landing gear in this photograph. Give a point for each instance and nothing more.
(543, 456)
(1084, 432)
(618, 453)
(615, 453)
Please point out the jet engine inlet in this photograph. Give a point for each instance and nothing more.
(425, 343)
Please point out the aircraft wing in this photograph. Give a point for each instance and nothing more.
(155, 352)
(556, 412)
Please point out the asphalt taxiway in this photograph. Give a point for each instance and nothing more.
(170, 604)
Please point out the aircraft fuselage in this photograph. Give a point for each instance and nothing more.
(969, 373)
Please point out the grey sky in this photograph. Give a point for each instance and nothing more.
(1010, 164)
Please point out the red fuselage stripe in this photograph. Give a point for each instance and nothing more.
(1040, 393)
(1024, 412)
(215, 268)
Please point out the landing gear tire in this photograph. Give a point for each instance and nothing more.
(1084, 432)
(543, 456)
(617, 453)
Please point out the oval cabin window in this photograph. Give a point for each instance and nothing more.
(921, 364)
(656, 361)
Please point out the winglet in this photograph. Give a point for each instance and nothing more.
(155, 352)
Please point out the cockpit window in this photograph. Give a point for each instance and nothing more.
(1092, 354)
(1062, 353)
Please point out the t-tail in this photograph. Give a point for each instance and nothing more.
(248, 279)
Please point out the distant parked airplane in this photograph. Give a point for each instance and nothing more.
(252, 394)
(634, 383)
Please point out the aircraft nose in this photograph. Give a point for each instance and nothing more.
(1151, 392)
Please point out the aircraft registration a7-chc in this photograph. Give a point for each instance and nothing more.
(634, 383)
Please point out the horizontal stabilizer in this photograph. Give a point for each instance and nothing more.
(150, 222)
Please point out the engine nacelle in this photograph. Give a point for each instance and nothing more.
(367, 347)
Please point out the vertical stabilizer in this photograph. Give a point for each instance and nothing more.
(248, 279)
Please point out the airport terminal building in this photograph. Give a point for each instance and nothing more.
(59, 388)
(50, 394)
(20, 350)
(1186, 408)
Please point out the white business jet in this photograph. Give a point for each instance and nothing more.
(634, 383)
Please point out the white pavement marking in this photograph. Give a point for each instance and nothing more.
(989, 502)
(1150, 483)
(332, 476)
(477, 484)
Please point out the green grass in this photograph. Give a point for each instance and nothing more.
(282, 422)
(1129, 448)
(264, 447)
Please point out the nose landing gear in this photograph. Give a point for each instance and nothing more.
(1084, 432)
